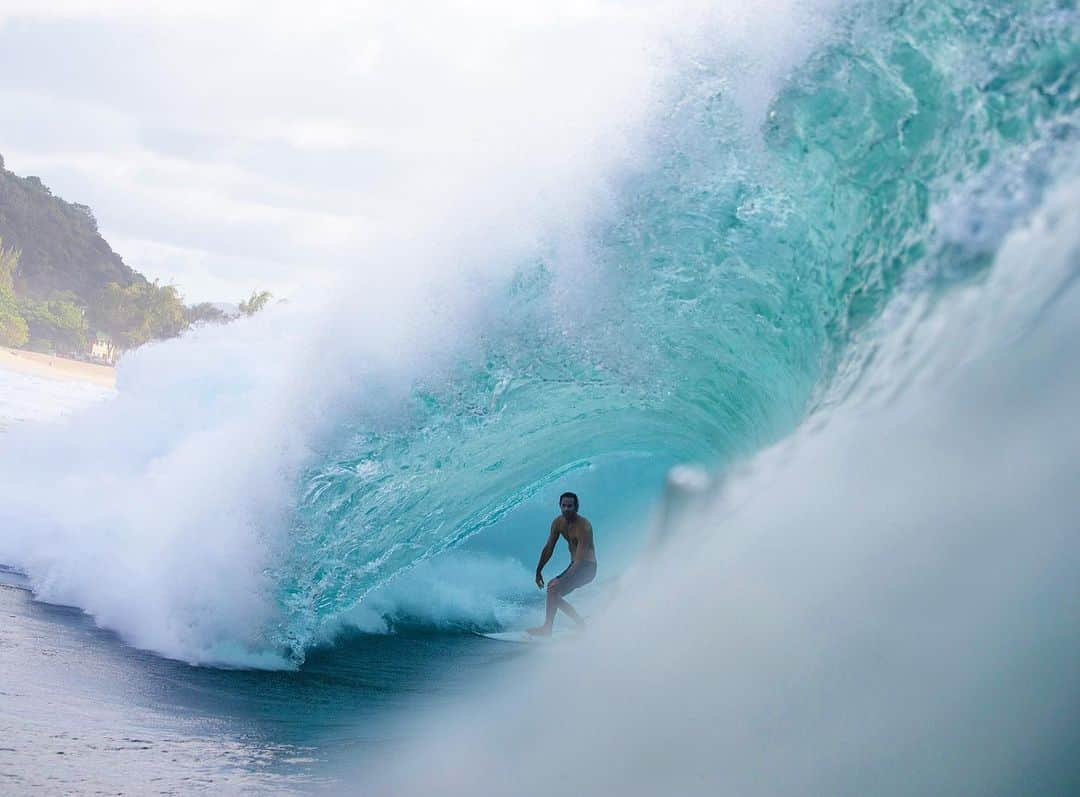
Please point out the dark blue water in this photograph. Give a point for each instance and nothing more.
(80, 712)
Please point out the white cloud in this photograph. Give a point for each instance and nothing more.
(251, 133)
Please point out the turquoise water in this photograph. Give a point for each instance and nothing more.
(754, 280)
(736, 271)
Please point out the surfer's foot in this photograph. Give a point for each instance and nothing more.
(540, 630)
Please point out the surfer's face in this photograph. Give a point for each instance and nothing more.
(568, 507)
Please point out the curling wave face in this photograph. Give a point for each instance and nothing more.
(727, 288)
(734, 276)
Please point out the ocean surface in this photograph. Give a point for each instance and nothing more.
(811, 359)
(30, 398)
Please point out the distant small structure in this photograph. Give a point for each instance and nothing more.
(102, 349)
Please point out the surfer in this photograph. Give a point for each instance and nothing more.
(579, 537)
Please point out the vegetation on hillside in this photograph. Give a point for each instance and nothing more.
(205, 313)
(55, 324)
(60, 244)
(62, 286)
(13, 327)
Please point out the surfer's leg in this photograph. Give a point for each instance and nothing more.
(552, 607)
(570, 611)
(566, 584)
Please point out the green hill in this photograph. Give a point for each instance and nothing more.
(62, 287)
(62, 250)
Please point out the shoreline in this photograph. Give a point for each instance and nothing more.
(51, 366)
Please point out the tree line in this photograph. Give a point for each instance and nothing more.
(62, 286)
(129, 315)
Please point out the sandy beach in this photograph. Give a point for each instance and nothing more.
(50, 366)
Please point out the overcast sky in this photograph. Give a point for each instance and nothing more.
(225, 147)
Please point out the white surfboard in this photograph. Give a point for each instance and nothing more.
(524, 637)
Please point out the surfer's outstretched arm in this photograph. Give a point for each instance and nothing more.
(545, 554)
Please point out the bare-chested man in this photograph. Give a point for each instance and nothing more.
(579, 537)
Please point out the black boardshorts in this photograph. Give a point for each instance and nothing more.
(585, 572)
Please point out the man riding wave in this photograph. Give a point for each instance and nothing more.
(578, 533)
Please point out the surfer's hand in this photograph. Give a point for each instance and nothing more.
(539, 581)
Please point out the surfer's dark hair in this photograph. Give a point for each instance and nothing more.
(570, 495)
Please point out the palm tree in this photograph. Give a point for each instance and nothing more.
(256, 302)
